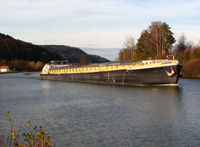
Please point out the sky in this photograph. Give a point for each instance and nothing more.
(96, 26)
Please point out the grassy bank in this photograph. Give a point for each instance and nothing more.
(191, 76)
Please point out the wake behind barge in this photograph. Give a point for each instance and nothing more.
(145, 72)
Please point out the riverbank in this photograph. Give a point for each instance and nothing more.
(191, 76)
(8, 72)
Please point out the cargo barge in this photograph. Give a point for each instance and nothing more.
(145, 72)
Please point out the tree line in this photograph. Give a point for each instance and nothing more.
(74, 54)
(189, 55)
(22, 65)
(11, 49)
(23, 56)
(156, 42)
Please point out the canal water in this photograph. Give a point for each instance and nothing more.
(79, 114)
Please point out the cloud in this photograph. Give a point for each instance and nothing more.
(95, 10)
(90, 11)
(101, 23)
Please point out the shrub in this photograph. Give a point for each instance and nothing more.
(191, 68)
(38, 138)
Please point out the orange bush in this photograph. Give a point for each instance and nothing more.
(191, 68)
(195, 54)
(38, 65)
(32, 65)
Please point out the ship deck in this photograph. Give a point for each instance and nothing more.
(112, 66)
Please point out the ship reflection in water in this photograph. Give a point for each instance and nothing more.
(80, 114)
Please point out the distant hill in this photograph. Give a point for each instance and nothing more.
(73, 54)
(12, 49)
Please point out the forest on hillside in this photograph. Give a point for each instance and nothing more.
(156, 42)
(74, 54)
(23, 56)
(11, 49)
(20, 55)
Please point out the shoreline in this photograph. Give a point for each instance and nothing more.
(190, 77)
(10, 72)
